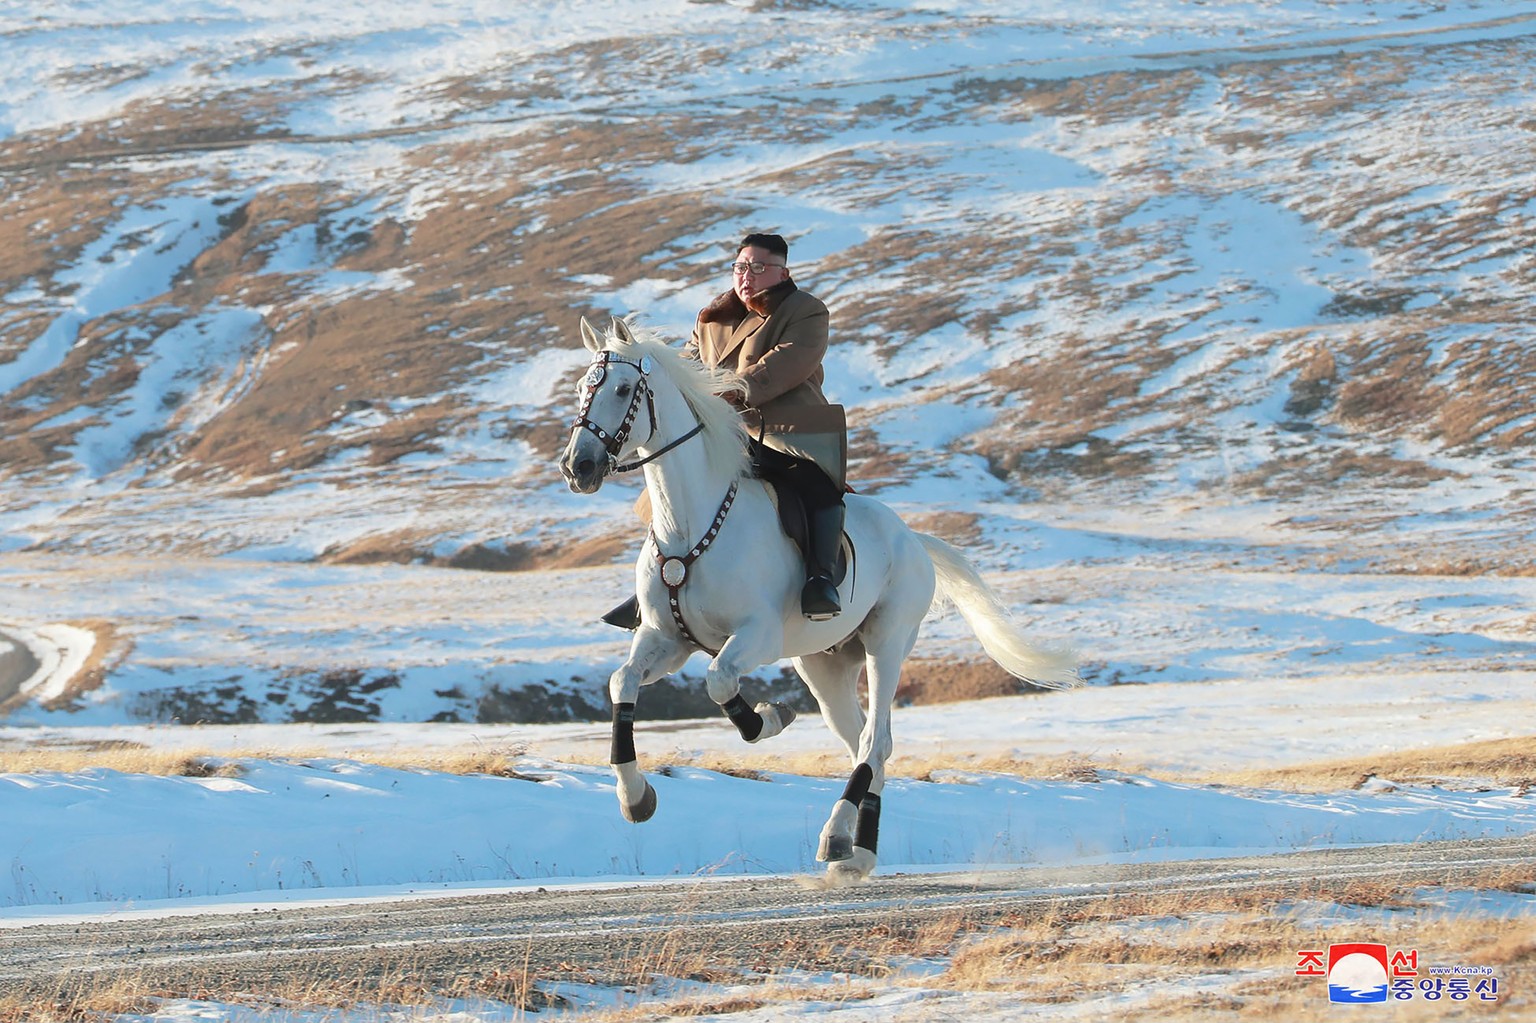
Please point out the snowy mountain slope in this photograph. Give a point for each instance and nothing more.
(1243, 287)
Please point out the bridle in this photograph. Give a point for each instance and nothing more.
(614, 442)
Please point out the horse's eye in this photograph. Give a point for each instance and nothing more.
(623, 390)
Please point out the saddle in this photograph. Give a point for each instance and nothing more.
(795, 521)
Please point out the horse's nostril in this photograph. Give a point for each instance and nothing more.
(585, 467)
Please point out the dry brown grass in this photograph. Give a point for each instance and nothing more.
(513, 986)
(1496, 763)
(756, 764)
(1251, 952)
(763, 993)
(128, 757)
(89, 999)
(1491, 763)
(1146, 948)
(89, 1002)
(1242, 942)
(1505, 946)
(134, 758)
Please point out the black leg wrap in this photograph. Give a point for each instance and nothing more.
(623, 751)
(747, 721)
(858, 784)
(866, 834)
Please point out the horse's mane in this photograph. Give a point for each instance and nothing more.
(724, 436)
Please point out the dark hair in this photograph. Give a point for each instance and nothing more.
(774, 243)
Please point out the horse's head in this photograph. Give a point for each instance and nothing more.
(613, 392)
(680, 397)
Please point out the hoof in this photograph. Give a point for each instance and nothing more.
(852, 871)
(835, 848)
(776, 717)
(626, 615)
(635, 813)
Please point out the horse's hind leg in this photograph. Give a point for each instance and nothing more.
(858, 810)
(833, 678)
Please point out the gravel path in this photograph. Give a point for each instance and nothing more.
(616, 935)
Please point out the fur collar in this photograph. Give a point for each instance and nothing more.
(727, 308)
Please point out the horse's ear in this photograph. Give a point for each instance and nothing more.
(589, 336)
(621, 329)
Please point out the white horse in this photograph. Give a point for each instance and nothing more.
(718, 574)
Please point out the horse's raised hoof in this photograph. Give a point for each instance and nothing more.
(641, 811)
(776, 717)
(625, 616)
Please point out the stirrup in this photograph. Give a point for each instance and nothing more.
(626, 615)
(818, 600)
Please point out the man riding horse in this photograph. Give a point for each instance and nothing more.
(774, 336)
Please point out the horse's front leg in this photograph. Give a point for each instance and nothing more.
(757, 643)
(651, 656)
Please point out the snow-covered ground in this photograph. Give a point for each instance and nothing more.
(100, 840)
(311, 828)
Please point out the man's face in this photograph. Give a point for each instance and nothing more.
(745, 282)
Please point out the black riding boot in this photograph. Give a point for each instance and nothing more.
(818, 600)
(626, 615)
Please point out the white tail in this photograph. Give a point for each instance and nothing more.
(1002, 639)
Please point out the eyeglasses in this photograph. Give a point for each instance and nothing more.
(754, 266)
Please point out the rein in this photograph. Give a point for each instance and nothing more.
(698, 428)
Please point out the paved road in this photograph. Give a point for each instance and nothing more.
(609, 934)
